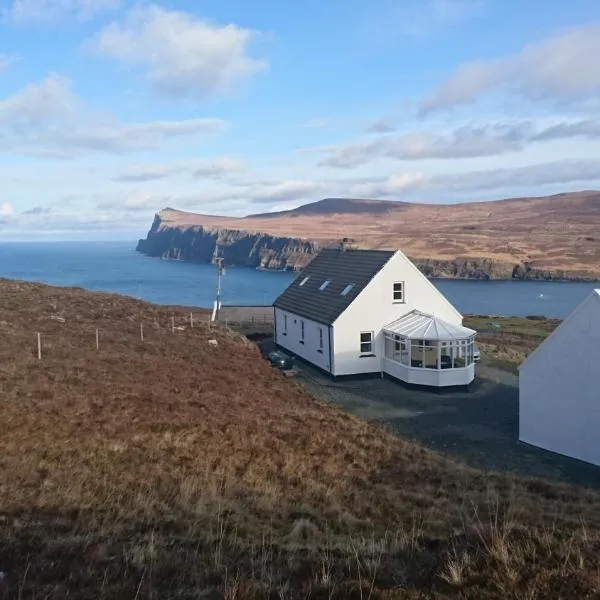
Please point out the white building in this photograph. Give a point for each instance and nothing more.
(372, 311)
(559, 401)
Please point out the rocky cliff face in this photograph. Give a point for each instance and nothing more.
(197, 244)
(243, 248)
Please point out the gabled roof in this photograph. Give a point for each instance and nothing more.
(342, 268)
(594, 296)
(417, 325)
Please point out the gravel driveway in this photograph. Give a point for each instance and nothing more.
(479, 426)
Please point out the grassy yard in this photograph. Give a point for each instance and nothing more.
(183, 466)
(507, 341)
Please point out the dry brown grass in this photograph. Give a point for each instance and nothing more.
(516, 338)
(553, 233)
(176, 469)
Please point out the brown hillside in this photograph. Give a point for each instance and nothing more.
(175, 468)
(550, 233)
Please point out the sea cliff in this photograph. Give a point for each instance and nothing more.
(267, 251)
(242, 248)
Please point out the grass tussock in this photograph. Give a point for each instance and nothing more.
(174, 468)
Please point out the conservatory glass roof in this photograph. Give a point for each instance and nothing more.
(421, 326)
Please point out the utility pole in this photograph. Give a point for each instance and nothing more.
(218, 260)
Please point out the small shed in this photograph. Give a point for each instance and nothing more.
(559, 396)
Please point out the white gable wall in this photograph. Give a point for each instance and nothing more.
(291, 339)
(374, 308)
(559, 393)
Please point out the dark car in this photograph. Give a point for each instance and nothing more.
(281, 360)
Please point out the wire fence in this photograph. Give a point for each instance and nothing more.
(55, 334)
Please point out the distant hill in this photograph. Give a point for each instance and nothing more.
(334, 206)
(551, 237)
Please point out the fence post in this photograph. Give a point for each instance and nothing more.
(142, 332)
(192, 320)
(39, 344)
(172, 324)
(97, 340)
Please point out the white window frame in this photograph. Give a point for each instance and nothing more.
(324, 284)
(400, 300)
(371, 341)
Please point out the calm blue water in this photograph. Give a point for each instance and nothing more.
(116, 267)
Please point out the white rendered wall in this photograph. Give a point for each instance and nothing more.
(431, 377)
(374, 308)
(559, 392)
(292, 339)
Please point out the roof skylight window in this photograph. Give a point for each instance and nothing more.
(304, 281)
(347, 289)
(324, 285)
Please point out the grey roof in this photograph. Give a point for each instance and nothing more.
(342, 268)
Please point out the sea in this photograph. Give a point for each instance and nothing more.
(117, 267)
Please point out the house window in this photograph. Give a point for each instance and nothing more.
(347, 289)
(320, 338)
(399, 291)
(302, 332)
(285, 324)
(366, 342)
(324, 285)
(304, 281)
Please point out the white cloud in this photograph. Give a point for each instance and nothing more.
(380, 126)
(48, 119)
(6, 210)
(218, 167)
(409, 186)
(464, 142)
(215, 169)
(467, 141)
(558, 172)
(558, 69)
(301, 191)
(182, 55)
(51, 10)
(106, 214)
(37, 102)
(134, 202)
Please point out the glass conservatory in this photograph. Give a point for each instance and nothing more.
(425, 350)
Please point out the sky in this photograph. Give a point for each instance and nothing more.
(111, 110)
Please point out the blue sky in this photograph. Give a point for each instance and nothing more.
(111, 110)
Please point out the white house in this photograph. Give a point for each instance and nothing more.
(559, 401)
(372, 311)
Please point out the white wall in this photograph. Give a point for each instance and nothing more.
(559, 391)
(431, 377)
(374, 308)
(292, 339)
